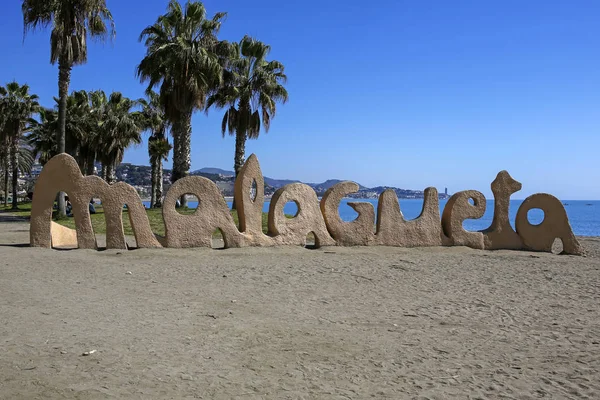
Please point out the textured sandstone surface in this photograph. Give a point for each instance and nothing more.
(196, 230)
(62, 173)
(555, 225)
(293, 231)
(394, 230)
(501, 235)
(249, 209)
(458, 209)
(322, 218)
(359, 232)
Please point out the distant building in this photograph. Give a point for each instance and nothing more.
(446, 191)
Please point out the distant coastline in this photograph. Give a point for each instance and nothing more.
(138, 176)
(268, 197)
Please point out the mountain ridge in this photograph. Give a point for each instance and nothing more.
(139, 175)
(272, 181)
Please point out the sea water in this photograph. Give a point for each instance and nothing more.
(584, 215)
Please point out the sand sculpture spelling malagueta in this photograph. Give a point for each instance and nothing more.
(321, 218)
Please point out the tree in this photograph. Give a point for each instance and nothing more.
(97, 108)
(80, 131)
(17, 106)
(42, 137)
(119, 127)
(88, 112)
(72, 21)
(159, 150)
(184, 58)
(252, 86)
(99, 128)
(4, 147)
(155, 121)
(78, 126)
(4, 167)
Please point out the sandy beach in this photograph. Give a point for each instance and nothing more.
(292, 323)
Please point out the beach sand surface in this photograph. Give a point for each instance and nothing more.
(293, 323)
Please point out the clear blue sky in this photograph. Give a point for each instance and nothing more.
(399, 93)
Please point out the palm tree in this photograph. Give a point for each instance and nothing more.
(250, 91)
(17, 105)
(78, 126)
(72, 21)
(79, 130)
(4, 167)
(119, 128)
(25, 157)
(4, 146)
(42, 137)
(159, 150)
(25, 161)
(93, 138)
(183, 57)
(154, 120)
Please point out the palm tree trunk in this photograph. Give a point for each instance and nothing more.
(14, 160)
(76, 152)
(153, 176)
(113, 173)
(5, 166)
(240, 155)
(182, 142)
(91, 158)
(103, 172)
(159, 184)
(6, 187)
(111, 176)
(64, 78)
(82, 158)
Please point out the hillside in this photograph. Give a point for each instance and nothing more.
(139, 177)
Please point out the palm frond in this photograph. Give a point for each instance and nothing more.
(182, 57)
(72, 21)
(252, 86)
